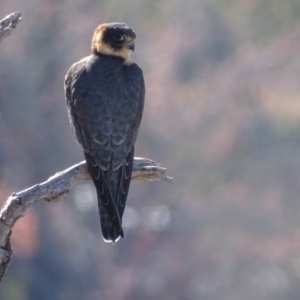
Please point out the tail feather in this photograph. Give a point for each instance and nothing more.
(111, 233)
(112, 189)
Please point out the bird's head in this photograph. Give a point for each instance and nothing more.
(115, 39)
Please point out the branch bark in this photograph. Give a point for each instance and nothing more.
(8, 24)
(56, 188)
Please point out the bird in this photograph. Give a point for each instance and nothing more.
(105, 94)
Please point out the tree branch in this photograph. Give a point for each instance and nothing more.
(8, 24)
(56, 188)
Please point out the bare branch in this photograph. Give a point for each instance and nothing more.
(8, 24)
(54, 189)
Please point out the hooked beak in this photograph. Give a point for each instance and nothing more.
(130, 45)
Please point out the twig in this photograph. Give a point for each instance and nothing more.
(54, 189)
(8, 24)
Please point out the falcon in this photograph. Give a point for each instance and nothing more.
(105, 99)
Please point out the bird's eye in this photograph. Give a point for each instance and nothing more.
(118, 37)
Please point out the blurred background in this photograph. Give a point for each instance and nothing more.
(222, 114)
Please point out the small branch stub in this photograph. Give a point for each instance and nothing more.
(8, 24)
(56, 188)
